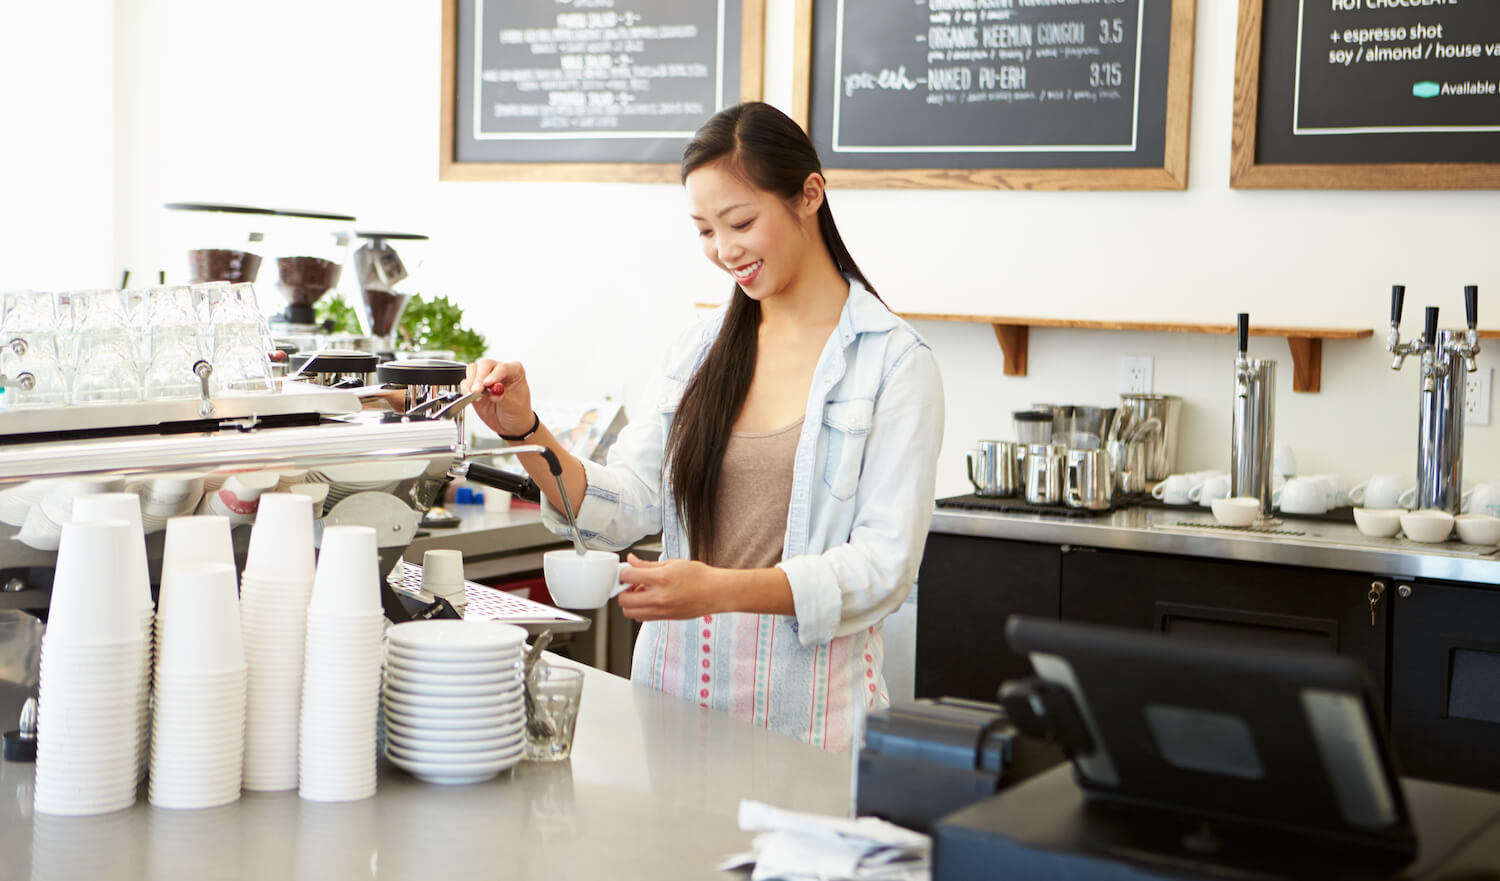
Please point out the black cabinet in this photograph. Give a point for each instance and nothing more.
(966, 589)
(1445, 682)
(1246, 602)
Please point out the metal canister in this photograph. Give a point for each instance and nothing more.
(1044, 475)
(994, 469)
(1088, 482)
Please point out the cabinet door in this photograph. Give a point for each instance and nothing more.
(966, 589)
(1244, 602)
(1445, 683)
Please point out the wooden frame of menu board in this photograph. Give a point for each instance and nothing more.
(1247, 171)
(1171, 174)
(751, 78)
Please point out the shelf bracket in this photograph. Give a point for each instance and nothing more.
(1013, 341)
(1307, 363)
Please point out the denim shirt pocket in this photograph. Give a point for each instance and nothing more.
(846, 425)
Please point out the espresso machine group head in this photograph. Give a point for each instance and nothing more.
(1447, 357)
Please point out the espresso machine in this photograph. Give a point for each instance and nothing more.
(1253, 435)
(1447, 357)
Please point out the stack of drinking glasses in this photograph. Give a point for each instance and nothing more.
(274, 592)
(114, 346)
(91, 677)
(198, 720)
(136, 580)
(341, 679)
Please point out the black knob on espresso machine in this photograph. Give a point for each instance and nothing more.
(1430, 336)
(1244, 321)
(1398, 297)
(1471, 305)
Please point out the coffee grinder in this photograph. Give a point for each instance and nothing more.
(220, 242)
(309, 247)
(378, 269)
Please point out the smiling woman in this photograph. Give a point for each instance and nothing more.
(790, 462)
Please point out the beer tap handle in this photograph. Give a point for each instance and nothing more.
(1471, 305)
(1430, 334)
(1398, 297)
(1244, 321)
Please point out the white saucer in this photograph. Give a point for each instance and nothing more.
(484, 717)
(457, 637)
(454, 772)
(433, 736)
(450, 667)
(452, 750)
(407, 702)
(488, 677)
(411, 653)
(496, 688)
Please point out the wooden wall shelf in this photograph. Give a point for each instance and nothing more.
(1305, 343)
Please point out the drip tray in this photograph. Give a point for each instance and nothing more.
(1237, 530)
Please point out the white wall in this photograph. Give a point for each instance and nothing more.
(333, 104)
(56, 141)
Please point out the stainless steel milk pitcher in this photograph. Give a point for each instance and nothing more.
(994, 469)
(1089, 480)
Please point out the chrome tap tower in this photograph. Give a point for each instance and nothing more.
(1253, 434)
(1447, 359)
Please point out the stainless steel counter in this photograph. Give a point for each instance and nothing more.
(651, 792)
(1190, 531)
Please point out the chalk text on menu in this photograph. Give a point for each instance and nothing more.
(1396, 66)
(984, 76)
(595, 69)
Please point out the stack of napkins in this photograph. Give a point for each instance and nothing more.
(796, 846)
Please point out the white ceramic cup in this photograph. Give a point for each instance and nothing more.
(1216, 487)
(582, 582)
(1483, 498)
(1303, 495)
(443, 573)
(239, 497)
(1379, 491)
(1174, 490)
(1237, 511)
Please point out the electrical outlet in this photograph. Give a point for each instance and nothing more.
(1135, 374)
(1477, 396)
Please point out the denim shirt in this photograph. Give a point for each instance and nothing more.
(862, 499)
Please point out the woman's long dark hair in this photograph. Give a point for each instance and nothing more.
(773, 153)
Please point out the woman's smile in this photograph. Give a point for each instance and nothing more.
(746, 274)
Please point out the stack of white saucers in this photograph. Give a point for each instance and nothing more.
(198, 715)
(126, 506)
(452, 699)
(341, 678)
(91, 677)
(274, 592)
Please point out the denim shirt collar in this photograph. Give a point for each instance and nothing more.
(863, 313)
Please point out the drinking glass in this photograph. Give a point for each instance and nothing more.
(30, 339)
(105, 352)
(175, 343)
(241, 342)
(552, 713)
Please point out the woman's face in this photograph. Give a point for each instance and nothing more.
(750, 233)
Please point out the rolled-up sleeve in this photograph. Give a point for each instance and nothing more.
(854, 585)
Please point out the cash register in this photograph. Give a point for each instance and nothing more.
(1191, 759)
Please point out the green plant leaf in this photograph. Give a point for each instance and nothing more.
(438, 324)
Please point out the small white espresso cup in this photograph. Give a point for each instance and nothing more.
(1174, 490)
(582, 582)
(1216, 487)
(1380, 491)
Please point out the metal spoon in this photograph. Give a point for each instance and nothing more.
(537, 725)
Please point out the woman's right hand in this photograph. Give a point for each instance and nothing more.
(507, 408)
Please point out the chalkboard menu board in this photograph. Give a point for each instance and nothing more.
(984, 93)
(1368, 94)
(590, 89)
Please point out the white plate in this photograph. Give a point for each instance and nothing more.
(450, 667)
(494, 688)
(399, 654)
(416, 677)
(428, 735)
(454, 773)
(416, 704)
(457, 637)
(453, 757)
(484, 717)
(477, 750)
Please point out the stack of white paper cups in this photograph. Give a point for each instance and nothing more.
(91, 677)
(137, 582)
(198, 723)
(274, 592)
(341, 680)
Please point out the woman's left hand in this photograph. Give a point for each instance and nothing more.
(669, 589)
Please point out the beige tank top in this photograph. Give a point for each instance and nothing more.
(755, 493)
